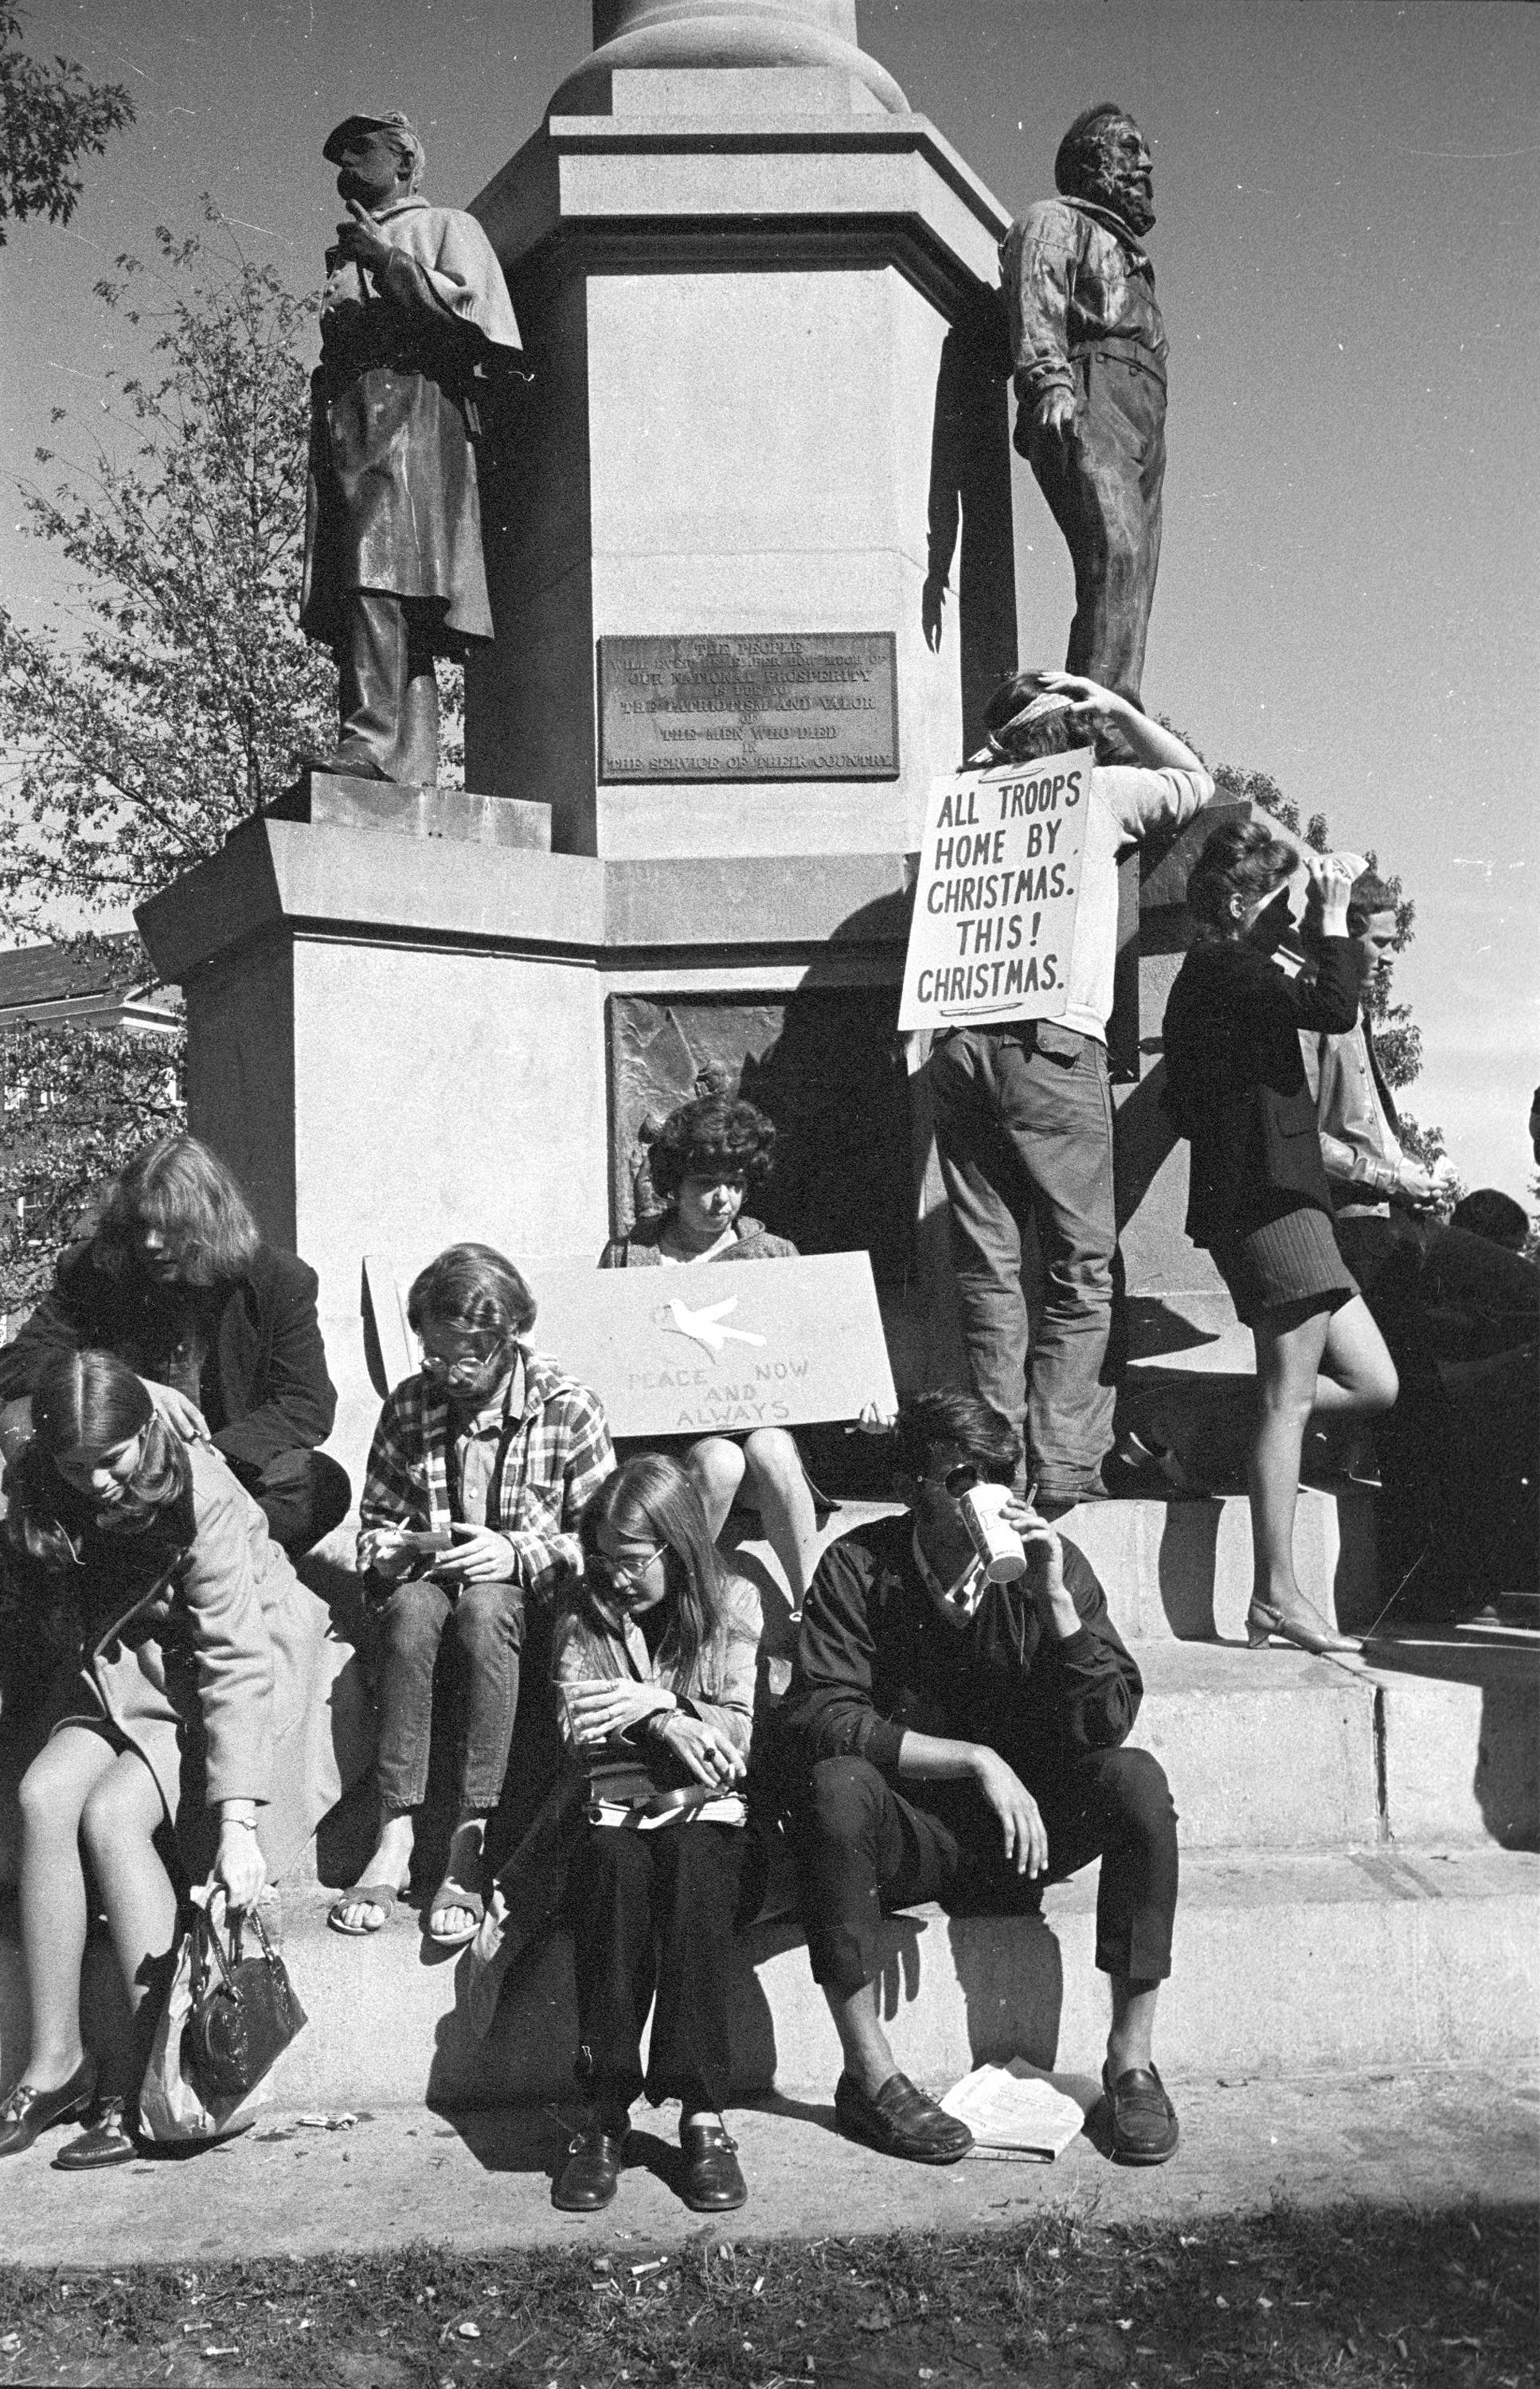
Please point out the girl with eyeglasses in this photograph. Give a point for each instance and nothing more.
(479, 1468)
(656, 1652)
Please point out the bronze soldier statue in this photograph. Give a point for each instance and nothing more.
(415, 317)
(1089, 349)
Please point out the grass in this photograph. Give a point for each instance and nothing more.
(1349, 2297)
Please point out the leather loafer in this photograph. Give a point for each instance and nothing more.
(106, 2141)
(591, 2172)
(713, 2181)
(1144, 2122)
(901, 2121)
(28, 2111)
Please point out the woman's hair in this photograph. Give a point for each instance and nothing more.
(653, 1495)
(87, 1403)
(471, 1286)
(928, 1420)
(714, 1133)
(1240, 858)
(180, 1187)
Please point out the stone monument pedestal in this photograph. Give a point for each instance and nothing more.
(768, 403)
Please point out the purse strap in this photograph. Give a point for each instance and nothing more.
(209, 1944)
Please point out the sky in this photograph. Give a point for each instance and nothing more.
(1345, 255)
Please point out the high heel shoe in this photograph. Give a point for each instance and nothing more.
(1265, 1623)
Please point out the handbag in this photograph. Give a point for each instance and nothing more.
(244, 2010)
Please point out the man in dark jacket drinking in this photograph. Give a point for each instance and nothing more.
(962, 1741)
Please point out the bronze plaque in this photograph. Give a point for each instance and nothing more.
(787, 705)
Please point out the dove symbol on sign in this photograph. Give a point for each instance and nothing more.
(702, 1326)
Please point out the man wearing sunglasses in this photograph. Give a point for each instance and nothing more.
(954, 1740)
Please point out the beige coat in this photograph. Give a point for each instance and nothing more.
(220, 1679)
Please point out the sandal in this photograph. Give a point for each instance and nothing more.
(449, 1896)
(364, 1895)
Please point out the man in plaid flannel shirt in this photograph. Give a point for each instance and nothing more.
(479, 1469)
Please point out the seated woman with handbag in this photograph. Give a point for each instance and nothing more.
(706, 1160)
(656, 1652)
(198, 1667)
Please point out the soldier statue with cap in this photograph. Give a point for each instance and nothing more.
(416, 320)
(1089, 349)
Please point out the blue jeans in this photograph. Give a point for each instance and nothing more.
(487, 1624)
(1024, 1128)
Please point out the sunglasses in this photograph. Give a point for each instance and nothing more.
(958, 1480)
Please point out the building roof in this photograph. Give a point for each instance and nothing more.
(105, 984)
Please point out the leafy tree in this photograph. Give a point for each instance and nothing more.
(49, 116)
(167, 704)
(76, 1103)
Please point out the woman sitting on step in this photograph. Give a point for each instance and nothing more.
(706, 1159)
(194, 1677)
(1259, 1198)
(655, 1653)
(481, 1465)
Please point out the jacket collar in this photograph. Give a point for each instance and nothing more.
(1114, 224)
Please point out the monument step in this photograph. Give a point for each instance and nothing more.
(1285, 1963)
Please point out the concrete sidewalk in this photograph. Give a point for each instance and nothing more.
(481, 2181)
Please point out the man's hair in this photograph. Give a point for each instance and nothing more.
(714, 1133)
(1491, 1213)
(474, 1287)
(927, 1421)
(1238, 859)
(180, 1187)
(1077, 162)
(1368, 895)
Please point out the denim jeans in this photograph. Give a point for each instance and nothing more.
(487, 1624)
(1024, 1128)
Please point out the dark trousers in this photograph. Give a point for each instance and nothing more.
(1102, 484)
(863, 1848)
(487, 1625)
(301, 1494)
(1024, 1132)
(1456, 1453)
(652, 1914)
(387, 698)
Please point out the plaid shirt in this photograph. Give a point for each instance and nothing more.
(551, 1459)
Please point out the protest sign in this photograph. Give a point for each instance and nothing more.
(996, 899)
(721, 1348)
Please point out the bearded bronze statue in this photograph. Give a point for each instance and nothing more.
(1088, 350)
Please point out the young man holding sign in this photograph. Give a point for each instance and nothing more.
(1010, 962)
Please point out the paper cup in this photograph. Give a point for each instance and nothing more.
(998, 1545)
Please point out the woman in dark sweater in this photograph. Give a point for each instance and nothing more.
(1259, 1198)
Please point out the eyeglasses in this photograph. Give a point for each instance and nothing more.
(629, 1572)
